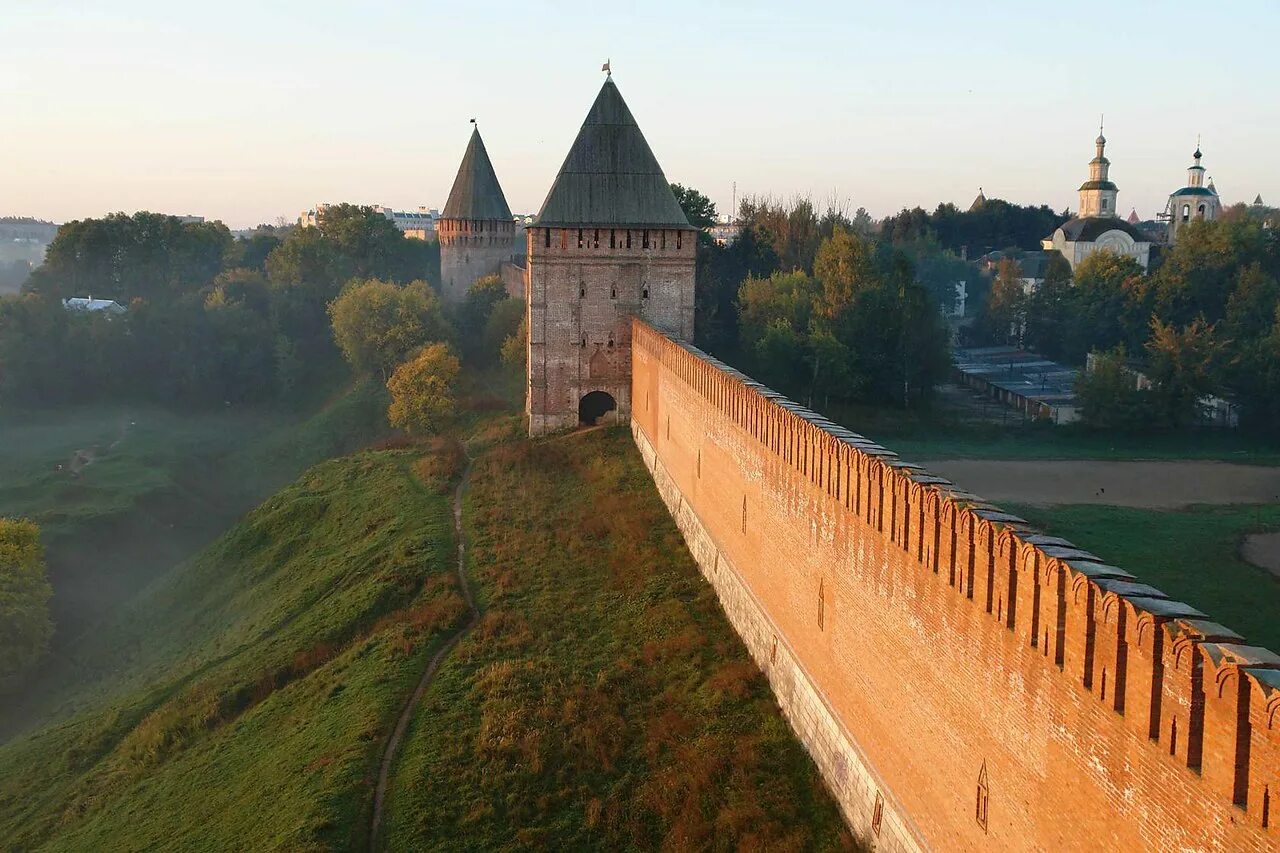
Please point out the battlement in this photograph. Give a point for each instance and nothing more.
(964, 652)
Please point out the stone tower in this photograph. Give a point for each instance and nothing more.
(475, 229)
(1192, 202)
(610, 242)
(1098, 194)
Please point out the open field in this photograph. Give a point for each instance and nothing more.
(1153, 485)
(1194, 555)
(946, 432)
(603, 702)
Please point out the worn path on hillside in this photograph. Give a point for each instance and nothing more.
(1263, 549)
(473, 617)
(1147, 485)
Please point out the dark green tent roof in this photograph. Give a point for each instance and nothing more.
(476, 193)
(610, 176)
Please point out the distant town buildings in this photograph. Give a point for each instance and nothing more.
(417, 224)
(725, 232)
(1193, 202)
(1097, 225)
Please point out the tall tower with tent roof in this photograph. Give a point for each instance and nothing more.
(475, 229)
(611, 242)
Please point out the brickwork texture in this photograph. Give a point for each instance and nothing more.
(962, 681)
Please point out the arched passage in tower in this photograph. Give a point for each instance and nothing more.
(595, 405)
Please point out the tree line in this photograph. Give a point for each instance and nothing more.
(1204, 321)
(210, 319)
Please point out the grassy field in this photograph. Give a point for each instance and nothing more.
(241, 702)
(603, 702)
(940, 434)
(1193, 555)
(161, 485)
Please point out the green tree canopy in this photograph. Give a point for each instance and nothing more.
(698, 209)
(422, 390)
(25, 627)
(376, 324)
(122, 257)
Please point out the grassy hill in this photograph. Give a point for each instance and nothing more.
(244, 701)
(603, 702)
(122, 494)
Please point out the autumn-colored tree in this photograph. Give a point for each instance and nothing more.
(844, 264)
(422, 390)
(25, 627)
(1183, 365)
(377, 324)
(1006, 312)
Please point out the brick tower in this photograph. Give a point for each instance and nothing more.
(475, 229)
(610, 242)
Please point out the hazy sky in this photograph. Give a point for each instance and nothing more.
(248, 111)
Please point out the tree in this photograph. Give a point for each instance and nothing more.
(698, 209)
(25, 627)
(1005, 316)
(514, 347)
(1049, 311)
(1183, 367)
(505, 322)
(1110, 306)
(473, 314)
(422, 390)
(844, 266)
(120, 257)
(376, 324)
(1109, 397)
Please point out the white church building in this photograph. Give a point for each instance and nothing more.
(1098, 224)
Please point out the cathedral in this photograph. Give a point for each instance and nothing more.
(610, 242)
(1098, 225)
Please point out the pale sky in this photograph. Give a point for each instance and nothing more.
(247, 111)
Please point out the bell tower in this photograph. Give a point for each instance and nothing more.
(1098, 194)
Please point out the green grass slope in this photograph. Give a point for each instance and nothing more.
(603, 702)
(1192, 554)
(162, 484)
(241, 702)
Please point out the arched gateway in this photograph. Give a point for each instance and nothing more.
(594, 406)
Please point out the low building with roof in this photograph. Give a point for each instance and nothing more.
(1097, 226)
(1040, 389)
(88, 303)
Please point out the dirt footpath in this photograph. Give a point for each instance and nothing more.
(1148, 485)
(1263, 549)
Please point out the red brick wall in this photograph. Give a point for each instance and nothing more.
(946, 638)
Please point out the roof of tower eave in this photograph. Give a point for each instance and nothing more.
(610, 176)
(476, 193)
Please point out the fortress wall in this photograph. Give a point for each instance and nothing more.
(938, 656)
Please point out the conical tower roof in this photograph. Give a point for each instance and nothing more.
(476, 193)
(610, 176)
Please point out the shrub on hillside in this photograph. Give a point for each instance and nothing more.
(25, 627)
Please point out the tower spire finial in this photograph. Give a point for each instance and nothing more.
(608, 71)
